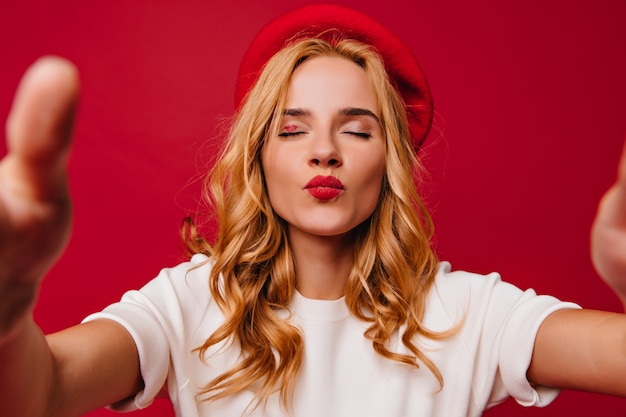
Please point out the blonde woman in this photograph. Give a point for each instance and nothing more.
(321, 294)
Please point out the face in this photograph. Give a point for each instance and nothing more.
(324, 167)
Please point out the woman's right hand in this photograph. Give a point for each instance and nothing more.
(35, 206)
(87, 366)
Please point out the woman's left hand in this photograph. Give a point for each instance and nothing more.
(608, 235)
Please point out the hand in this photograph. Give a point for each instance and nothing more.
(35, 208)
(608, 236)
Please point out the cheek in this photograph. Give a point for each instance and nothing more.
(374, 170)
(268, 172)
(374, 188)
(371, 185)
(276, 176)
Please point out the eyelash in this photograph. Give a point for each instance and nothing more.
(363, 135)
(287, 134)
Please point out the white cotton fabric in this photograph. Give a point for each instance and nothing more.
(482, 364)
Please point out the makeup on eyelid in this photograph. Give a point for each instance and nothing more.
(336, 136)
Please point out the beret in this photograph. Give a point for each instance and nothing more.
(315, 21)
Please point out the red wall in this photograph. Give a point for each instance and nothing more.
(531, 116)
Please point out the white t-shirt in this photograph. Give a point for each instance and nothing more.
(482, 364)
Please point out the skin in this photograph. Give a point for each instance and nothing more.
(324, 134)
(88, 366)
(82, 368)
(586, 350)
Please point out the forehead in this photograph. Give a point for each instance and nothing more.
(331, 81)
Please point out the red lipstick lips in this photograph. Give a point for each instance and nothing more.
(324, 187)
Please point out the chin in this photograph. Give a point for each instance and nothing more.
(327, 230)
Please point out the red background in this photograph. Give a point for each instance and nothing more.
(531, 116)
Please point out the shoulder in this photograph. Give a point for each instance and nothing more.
(454, 287)
(189, 278)
(462, 295)
(177, 294)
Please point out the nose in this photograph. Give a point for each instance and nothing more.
(324, 151)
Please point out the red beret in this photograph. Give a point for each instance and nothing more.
(311, 21)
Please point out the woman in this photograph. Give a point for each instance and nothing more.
(324, 296)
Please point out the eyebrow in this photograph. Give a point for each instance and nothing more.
(296, 112)
(355, 111)
(348, 111)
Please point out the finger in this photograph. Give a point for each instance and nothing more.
(608, 233)
(622, 167)
(612, 207)
(40, 124)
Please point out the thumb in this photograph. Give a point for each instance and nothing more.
(39, 127)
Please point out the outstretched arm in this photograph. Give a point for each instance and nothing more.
(81, 368)
(583, 349)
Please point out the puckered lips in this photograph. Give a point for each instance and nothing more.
(324, 187)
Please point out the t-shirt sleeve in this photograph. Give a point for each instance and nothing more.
(516, 348)
(499, 326)
(135, 313)
(154, 317)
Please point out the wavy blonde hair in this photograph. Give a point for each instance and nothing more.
(254, 277)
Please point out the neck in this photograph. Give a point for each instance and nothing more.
(322, 264)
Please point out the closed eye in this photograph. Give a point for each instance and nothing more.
(364, 135)
(287, 134)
